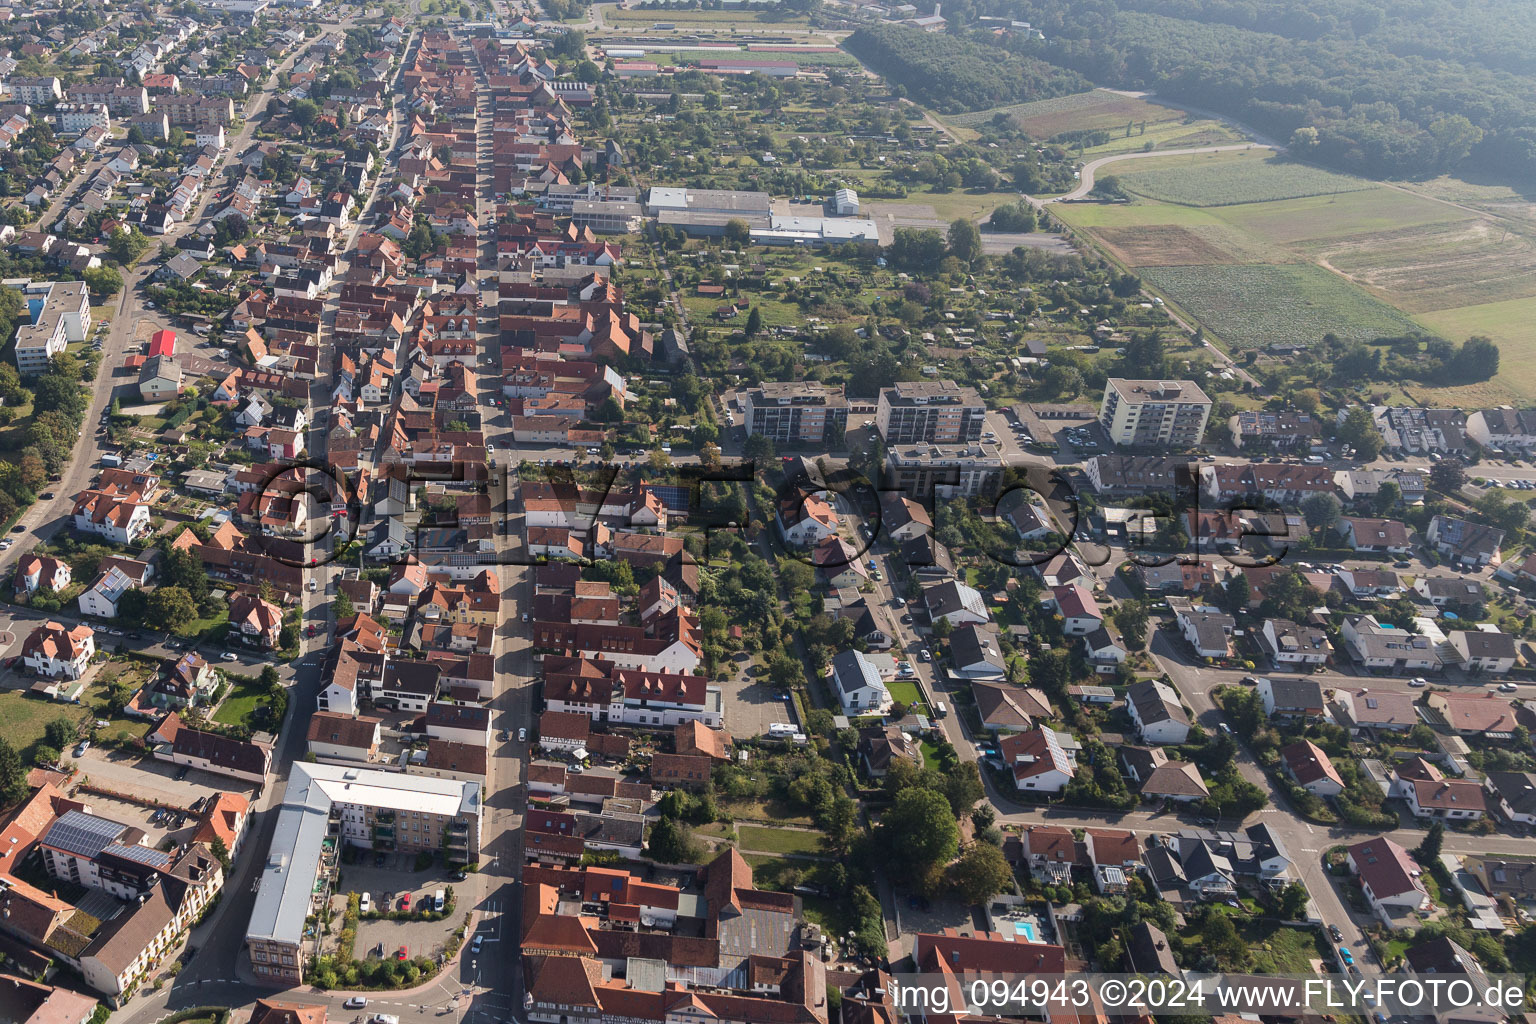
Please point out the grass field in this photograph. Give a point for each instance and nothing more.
(1315, 219)
(904, 690)
(23, 719)
(1508, 323)
(1098, 109)
(1438, 266)
(778, 840)
(1228, 179)
(1251, 306)
(1186, 134)
(240, 702)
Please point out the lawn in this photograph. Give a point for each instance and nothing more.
(713, 19)
(1098, 109)
(1252, 306)
(23, 719)
(1229, 179)
(240, 703)
(772, 809)
(777, 840)
(1508, 323)
(1339, 215)
(1279, 949)
(904, 690)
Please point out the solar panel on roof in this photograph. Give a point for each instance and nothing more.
(82, 834)
(141, 854)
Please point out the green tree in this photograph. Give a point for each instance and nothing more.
(964, 241)
(1448, 476)
(103, 281)
(171, 607)
(220, 851)
(1428, 851)
(1359, 430)
(980, 873)
(60, 732)
(1293, 901)
(918, 833)
(1321, 511)
(672, 843)
(343, 607)
(126, 246)
(754, 322)
(45, 756)
(737, 231)
(13, 774)
(759, 448)
(1131, 619)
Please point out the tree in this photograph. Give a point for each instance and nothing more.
(1428, 851)
(754, 322)
(738, 231)
(103, 281)
(964, 240)
(119, 694)
(918, 833)
(1448, 476)
(60, 733)
(1386, 498)
(343, 607)
(917, 250)
(13, 774)
(980, 873)
(171, 607)
(672, 843)
(1359, 430)
(44, 755)
(1477, 359)
(1321, 510)
(219, 850)
(1293, 901)
(759, 448)
(288, 637)
(127, 246)
(269, 678)
(1131, 619)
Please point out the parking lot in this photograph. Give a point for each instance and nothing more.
(153, 781)
(397, 879)
(752, 704)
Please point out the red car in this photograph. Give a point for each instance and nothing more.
(401, 954)
(405, 902)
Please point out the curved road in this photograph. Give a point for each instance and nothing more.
(1085, 181)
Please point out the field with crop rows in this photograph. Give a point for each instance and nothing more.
(1229, 179)
(1251, 306)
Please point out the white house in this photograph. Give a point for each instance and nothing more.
(102, 598)
(1389, 878)
(1155, 708)
(857, 682)
(53, 651)
(1485, 649)
(1309, 767)
(37, 572)
(1037, 760)
(959, 604)
(807, 523)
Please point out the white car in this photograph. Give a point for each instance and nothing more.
(1418, 681)
(365, 904)
(229, 656)
(355, 1002)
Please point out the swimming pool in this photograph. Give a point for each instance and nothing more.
(1026, 929)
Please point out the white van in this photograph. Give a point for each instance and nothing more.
(439, 901)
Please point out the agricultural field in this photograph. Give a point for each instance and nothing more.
(621, 18)
(1096, 110)
(1229, 179)
(1508, 324)
(1250, 306)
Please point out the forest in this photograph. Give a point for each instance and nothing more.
(1373, 88)
(952, 74)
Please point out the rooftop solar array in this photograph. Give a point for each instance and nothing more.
(84, 835)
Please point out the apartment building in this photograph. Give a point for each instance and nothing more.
(326, 806)
(945, 470)
(1154, 413)
(61, 313)
(795, 412)
(930, 412)
(77, 117)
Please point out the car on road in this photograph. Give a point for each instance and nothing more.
(1508, 687)
(355, 1002)
(1418, 682)
(1333, 930)
(925, 656)
(229, 656)
(1346, 955)
(522, 735)
(907, 619)
(474, 947)
(18, 528)
(183, 773)
(46, 495)
(1402, 565)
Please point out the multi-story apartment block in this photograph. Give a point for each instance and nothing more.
(77, 117)
(191, 110)
(930, 412)
(61, 313)
(44, 90)
(945, 470)
(795, 412)
(326, 806)
(1148, 413)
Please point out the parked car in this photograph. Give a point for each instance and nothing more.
(474, 947)
(1346, 955)
(1418, 682)
(355, 1002)
(365, 903)
(402, 954)
(229, 656)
